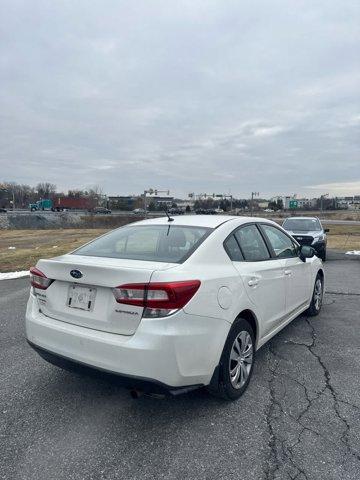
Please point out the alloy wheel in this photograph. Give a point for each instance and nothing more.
(241, 359)
(318, 294)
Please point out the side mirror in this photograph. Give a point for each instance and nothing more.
(326, 230)
(306, 252)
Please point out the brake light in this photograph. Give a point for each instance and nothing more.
(158, 299)
(38, 279)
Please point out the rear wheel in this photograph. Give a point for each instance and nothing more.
(237, 362)
(317, 297)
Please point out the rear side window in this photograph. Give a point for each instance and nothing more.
(160, 243)
(252, 244)
(232, 249)
(282, 245)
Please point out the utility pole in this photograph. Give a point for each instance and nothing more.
(145, 207)
(322, 201)
(253, 194)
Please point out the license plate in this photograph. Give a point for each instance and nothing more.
(81, 297)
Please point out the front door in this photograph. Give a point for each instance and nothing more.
(298, 283)
(296, 272)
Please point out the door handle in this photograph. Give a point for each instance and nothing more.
(253, 282)
(288, 272)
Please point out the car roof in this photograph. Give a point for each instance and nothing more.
(210, 221)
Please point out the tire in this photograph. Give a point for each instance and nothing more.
(317, 297)
(233, 374)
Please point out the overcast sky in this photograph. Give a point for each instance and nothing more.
(194, 96)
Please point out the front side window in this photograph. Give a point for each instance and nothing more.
(160, 243)
(252, 244)
(282, 245)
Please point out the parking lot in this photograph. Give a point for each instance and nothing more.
(299, 419)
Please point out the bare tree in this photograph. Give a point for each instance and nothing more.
(15, 194)
(45, 189)
(96, 193)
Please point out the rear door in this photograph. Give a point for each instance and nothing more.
(296, 272)
(89, 301)
(262, 276)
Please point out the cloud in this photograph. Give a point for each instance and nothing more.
(268, 131)
(338, 188)
(187, 96)
(102, 167)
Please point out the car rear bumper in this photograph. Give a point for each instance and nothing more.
(146, 385)
(178, 351)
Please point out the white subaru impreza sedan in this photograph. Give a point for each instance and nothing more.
(173, 304)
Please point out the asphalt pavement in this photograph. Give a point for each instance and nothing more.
(299, 419)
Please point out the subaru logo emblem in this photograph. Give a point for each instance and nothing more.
(76, 274)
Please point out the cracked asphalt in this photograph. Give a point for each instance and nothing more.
(299, 419)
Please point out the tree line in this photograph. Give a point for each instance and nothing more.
(21, 195)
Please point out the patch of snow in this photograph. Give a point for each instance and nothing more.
(353, 252)
(11, 275)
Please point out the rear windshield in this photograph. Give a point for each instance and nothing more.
(160, 243)
(302, 224)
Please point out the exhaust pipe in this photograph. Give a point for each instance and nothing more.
(136, 394)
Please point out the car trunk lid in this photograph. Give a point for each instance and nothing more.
(88, 300)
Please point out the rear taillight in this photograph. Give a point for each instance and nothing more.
(38, 279)
(130, 294)
(158, 299)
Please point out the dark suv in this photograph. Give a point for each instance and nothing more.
(308, 231)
